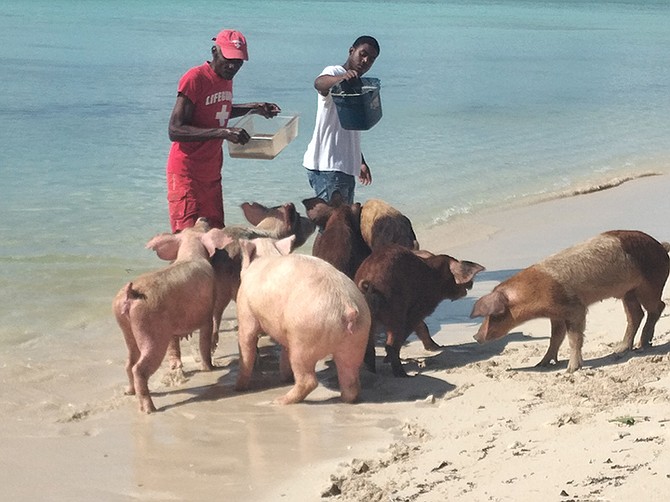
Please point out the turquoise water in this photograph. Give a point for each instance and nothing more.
(485, 104)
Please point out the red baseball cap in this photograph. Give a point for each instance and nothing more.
(233, 44)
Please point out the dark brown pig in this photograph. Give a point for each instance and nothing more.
(309, 307)
(339, 242)
(381, 225)
(403, 288)
(624, 264)
(171, 302)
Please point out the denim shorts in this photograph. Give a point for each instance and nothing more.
(325, 183)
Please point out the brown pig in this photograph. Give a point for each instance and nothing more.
(279, 221)
(340, 242)
(382, 224)
(173, 301)
(403, 288)
(269, 222)
(624, 264)
(310, 308)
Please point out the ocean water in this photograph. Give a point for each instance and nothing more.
(485, 104)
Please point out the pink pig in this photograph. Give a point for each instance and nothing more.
(309, 307)
(269, 222)
(173, 301)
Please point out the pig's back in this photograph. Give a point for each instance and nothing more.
(593, 270)
(300, 289)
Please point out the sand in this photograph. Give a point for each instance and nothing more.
(473, 423)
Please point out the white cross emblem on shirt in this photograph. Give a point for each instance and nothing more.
(223, 114)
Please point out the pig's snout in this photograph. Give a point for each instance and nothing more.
(482, 332)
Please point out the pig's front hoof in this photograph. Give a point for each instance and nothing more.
(286, 399)
(398, 371)
(621, 348)
(432, 347)
(546, 362)
(147, 406)
(241, 386)
(574, 366)
(176, 364)
(350, 396)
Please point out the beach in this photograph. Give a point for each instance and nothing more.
(510, 130)
(474, 422)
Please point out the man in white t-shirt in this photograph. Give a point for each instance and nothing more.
(333, 158)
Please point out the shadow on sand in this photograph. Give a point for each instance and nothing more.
(611, 359)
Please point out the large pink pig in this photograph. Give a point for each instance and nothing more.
(309, 307)
(173, 301)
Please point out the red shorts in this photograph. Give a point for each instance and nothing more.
(189, 199)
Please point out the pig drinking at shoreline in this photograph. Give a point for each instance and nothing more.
(403, 287)
(310, 308)
(624, 264)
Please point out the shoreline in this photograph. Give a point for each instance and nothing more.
(475, 422)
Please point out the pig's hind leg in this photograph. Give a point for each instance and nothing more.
(348, 378)
(304, 373)
(651, 300)
(133, 356)
(248, 330)
(152, 354)
(133, 349)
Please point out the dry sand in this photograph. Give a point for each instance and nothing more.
(474, 423)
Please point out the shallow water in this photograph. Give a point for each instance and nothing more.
(484, 104)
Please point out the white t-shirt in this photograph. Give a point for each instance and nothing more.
(332, 148)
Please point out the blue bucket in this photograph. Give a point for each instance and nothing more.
(359, 107)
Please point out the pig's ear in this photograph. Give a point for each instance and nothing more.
(318, 210)
(166, 246)
(304, 228)
(289, 214)
(215, 239)
(254, 212)
(248, 252)
(495, 303)
(285, 245)
(311, 202)
(464, 271)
